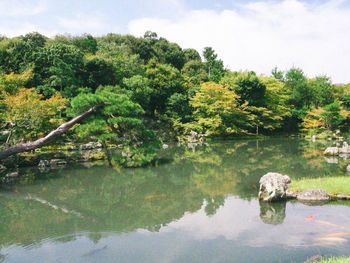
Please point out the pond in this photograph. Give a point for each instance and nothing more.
(194, 205)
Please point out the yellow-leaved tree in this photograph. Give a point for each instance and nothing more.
(25, 114)
(217, 111)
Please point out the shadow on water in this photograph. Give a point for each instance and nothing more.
(191, 206)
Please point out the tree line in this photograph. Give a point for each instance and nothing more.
(134, 82)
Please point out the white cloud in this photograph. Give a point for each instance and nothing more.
(17, 29)
(83, 23)
(260, 35)
(16, 8)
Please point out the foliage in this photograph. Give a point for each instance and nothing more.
(247, 85)
(215, 68)
(29, 116)
(217, 111)
(164, 80)
(115, 114)
(153, 78)
(10, 83)
(328, 117)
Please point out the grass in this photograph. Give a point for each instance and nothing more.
(335, 260)
(332, 185)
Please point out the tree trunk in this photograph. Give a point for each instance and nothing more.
(19, 148)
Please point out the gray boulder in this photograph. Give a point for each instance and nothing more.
(90, 146)
(331, 151)
(12, 175)
(44, 164)
(57, 162)
(273, 187)
(313, 195)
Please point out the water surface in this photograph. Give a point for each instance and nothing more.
(193, 206)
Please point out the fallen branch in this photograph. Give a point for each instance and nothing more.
(19, 148)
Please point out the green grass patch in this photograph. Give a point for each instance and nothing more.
(332, 185)
(335, 260)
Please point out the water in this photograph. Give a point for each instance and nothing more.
(191, 207)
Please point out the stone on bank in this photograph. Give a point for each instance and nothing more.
(273, 187)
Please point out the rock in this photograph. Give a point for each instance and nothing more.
(313, 138)
(290, 194)
(343, 197)
(313, 195)
(331, 151)
(90, 146)
(341, 139)
(12, 175)
(331, 160)
(344, 148)
(348, 168)
(273, 187)
(165, 146)
(44, 164)
(57, 162)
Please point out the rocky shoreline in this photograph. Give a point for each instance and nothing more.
(274, 187)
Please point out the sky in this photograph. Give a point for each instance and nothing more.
(247, 35)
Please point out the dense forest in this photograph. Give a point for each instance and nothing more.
(141, 89)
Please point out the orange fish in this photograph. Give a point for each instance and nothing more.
(335, 234)
(325, 223)
(309, 218)
(155, 196)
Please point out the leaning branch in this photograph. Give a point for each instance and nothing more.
(19, 148)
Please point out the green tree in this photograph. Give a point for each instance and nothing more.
(141, 91)
(58, 66)
(99, 72)
(165, 80)
(322, 90)
(169, 53)
(194, 73)
(297, 83)
(86, 43)
(215, 68)
(247, 85)
(217, 111)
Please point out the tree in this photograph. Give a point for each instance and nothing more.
(276, 109)
(277, 74)
(58, 66)
(141, 91)
(329, 117)
(169, 53)
(247, 85)
(120, 56)
(107, 116)
(191, 54)
(10, 83)
(322, 90)
(99, 71)
(209, 56)
(164, 80)
(301, 93)
(115, 119)
(86, 43)
(217, 111)
(215, 68)
(194, 73)
(29, 115)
